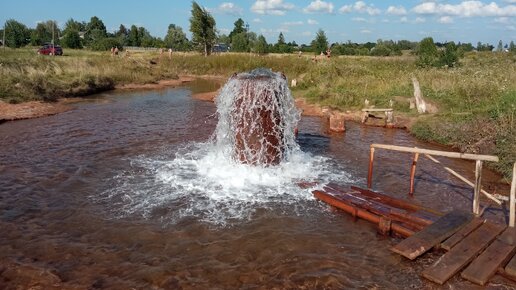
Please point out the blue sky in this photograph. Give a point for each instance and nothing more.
(358, 21)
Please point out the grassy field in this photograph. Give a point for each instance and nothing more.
(476, 101)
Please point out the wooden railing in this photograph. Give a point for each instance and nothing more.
(478, 173)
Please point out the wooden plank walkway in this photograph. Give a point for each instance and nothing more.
(432, 235)
(486, 265)
(469, 240)
(462, 233)
(463, 253)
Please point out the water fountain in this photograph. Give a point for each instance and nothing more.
(257, 118)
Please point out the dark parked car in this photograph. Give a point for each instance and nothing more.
(49, 49)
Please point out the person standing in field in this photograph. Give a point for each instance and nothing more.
(170, 53)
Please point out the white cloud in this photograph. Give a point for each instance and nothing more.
(273, 31)
(420, 20)
(403, 19)
(365, 31)
(396, 10)
(230, 8)
(319, 6)
(445, 20)
(306, 33)
(503, 20)
(292, 23)
(273, 7)
(257, 20)
(360, 7)
(312, 22)
(359, 19)
(511, 28)
(466, 9)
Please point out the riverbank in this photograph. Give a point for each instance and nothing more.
(476, 101)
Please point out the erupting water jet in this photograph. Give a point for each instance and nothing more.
(257, 118)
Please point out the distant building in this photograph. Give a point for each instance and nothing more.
(220, 47)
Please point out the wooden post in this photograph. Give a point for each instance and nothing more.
(478, 185)
(413, 173)
(513, 197)
(370, 173)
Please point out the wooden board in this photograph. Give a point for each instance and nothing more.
(379, 208)
(486, 265)
(462, 233)
(432, 235)
(399, 203)
(463, 253)
(510, 269)
(359, 208)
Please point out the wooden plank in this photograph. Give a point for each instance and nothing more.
(358, 212)
(437, 152)
(395, 202)
(510, 269)
(432, 235)
(462, 233)
(463, 253)
(379, 208)
(486, 265)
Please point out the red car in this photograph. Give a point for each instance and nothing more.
(49, 49)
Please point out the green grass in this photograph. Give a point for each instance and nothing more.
(476, 100)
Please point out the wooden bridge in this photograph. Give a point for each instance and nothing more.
(475, 247)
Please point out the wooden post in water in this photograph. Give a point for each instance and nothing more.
(478, 185)
(413, 173)
(512, 199)
(370, 173)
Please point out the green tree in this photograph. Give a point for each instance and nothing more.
(427, 53)
(320, 43)
(281, 46)
(71, 24)
(71, 39)
(381, 50)
(16, 34)
(176, 38)
(512, 47)
(95, 30)
(239, 28)
(146, 39)
(281, 39)
(122, 34)
(133, 39)
(43, 32)
(261, 46)
(202, 26)
(239, 42)
(450, 56)
(222, 38)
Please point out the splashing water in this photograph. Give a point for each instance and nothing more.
(257, 118)
(251, 161)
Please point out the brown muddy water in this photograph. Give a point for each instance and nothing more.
(123, 192)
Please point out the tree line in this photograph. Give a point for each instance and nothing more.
(205, 37)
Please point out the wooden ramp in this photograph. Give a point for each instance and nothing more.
(432, 235)
(463, 253)
(476, 247)
(390, 214)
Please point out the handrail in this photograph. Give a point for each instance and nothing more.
(478, 167)
(438, 152)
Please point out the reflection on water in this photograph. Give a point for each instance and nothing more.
(112, 195)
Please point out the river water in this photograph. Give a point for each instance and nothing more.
(121, 193)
